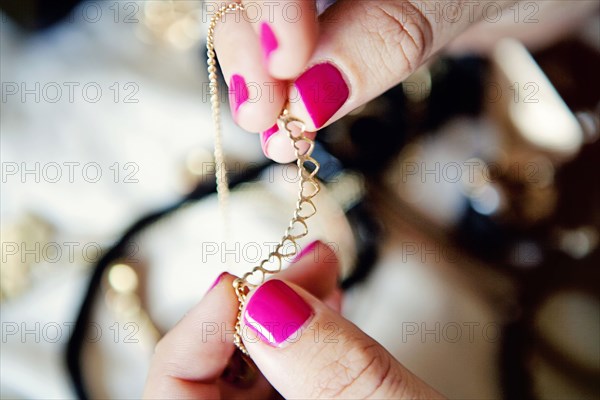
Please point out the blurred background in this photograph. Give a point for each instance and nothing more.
(467, 223)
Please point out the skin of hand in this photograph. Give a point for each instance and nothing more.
(295, 335)
(283, 53)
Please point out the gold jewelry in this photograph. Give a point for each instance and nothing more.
(308, 183)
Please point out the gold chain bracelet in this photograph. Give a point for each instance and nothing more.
(308, 183)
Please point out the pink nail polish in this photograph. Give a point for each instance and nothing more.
(323, 91)
(265, 136)
(268, 41)
(309, 248)
(276, 313)
(238, 93)
(216, 282)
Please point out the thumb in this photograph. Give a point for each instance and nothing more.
(364, 49)
(307, 350)
(367, 47)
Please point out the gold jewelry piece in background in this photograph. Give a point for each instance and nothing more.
(308, 183)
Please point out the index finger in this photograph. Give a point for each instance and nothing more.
(288, 32)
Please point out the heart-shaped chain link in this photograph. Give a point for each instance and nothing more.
(308, 188)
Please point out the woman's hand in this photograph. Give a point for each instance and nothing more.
(278, 51)
(302, 346)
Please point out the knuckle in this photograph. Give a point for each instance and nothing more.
(401, 36)
(359, 367)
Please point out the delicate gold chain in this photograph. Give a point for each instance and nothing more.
(307, 181)
(220, 169)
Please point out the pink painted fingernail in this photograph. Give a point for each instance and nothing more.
(276, 313)
(267, 40)
(309, 248)
(323, 91)
(216, 282)
(265, 136)
(238, 93)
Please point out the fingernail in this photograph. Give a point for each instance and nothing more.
(309, 248)
(323, 91)
(275, 312)
(216, 282)
(268, 41)
(238, 93)
(265, 136)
